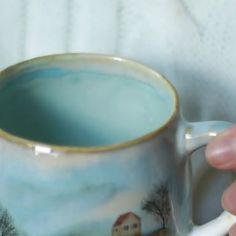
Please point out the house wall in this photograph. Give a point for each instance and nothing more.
(129, 221)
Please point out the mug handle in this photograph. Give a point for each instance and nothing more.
(196, 135)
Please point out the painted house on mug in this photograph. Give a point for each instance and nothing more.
(128, 224)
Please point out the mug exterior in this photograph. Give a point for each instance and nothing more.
(138, 187)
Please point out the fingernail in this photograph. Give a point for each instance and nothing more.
(221, 152)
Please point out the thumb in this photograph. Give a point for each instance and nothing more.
(221, 151)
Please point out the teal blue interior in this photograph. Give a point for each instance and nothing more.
(77, 107)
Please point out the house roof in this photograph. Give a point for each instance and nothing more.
(122, 218)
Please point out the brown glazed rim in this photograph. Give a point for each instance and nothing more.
(80, 149)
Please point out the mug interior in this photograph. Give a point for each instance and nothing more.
(83, 100)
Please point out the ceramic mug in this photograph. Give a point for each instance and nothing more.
(95, 145)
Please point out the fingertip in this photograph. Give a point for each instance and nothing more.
(232, 231)
(221, 151)
(229, 199)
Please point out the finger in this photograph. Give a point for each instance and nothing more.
(229, 199)
(232, 231)
(221, 152)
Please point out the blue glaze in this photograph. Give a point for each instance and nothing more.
(81, 107)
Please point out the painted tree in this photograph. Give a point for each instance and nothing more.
(158, 204)
(7, 227)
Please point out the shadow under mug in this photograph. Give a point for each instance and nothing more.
(95, 145)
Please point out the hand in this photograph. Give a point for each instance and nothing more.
(221, 154)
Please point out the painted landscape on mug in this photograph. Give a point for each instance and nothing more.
(115, 196)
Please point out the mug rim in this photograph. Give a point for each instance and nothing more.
(82, 149)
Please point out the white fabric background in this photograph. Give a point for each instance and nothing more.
(191, 42)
